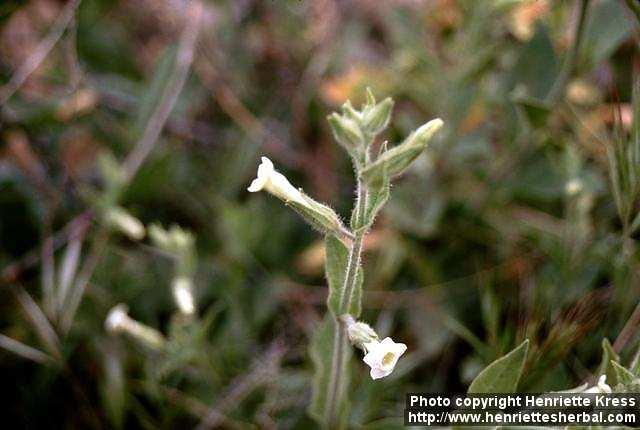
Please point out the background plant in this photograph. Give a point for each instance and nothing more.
(506, 229)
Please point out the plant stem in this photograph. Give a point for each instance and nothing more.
(572, 57)
(339, 339)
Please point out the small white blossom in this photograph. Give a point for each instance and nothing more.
(117, 319)
(383, 356)
(275, 183)
(601, 387)
(183, 295)
(573, 187)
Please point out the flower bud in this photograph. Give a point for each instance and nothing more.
(397, 159)
(348, 111)
(121, 220)
(359, 333)
(376, 118)
(183, 295)
(175, 240)
(346, 132)
(111, 171)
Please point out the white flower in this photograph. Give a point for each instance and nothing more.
(601, 387)
(383, 356)
(117, 319)
(573, 187)
(183, 295)
(275, 183)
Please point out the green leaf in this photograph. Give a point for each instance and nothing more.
(337, 257)
(537, 66)
(321, 352)
(606, 368)
(377, 201)
(503, 375)
(623, 375)
(607, 28)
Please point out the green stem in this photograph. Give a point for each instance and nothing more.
(339, 339)
(572, 57)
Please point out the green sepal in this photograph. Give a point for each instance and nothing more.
(398, 158)
(319, 216)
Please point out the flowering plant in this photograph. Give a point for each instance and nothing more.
(356, 131)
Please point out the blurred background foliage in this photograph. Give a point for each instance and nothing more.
(505, 229)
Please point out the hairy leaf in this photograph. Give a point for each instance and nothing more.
(321, 352)
(503, 375)
(623, 375)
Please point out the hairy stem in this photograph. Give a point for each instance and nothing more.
(339, 340)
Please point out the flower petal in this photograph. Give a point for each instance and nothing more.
(256, 185)
(377, 373)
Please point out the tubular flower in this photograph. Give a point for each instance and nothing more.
(383, 356)
(119, 321)
(275, 183)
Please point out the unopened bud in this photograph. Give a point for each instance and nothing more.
(348, 111)
(121, 220)
(376, 118)
(346, 132)
(359, 333)
(111, 171)
(183, 295)
(397, 159)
